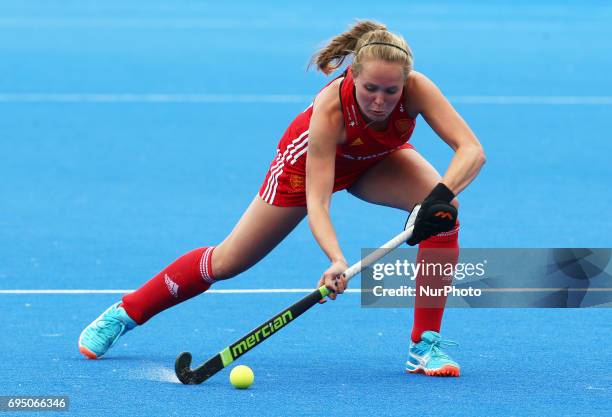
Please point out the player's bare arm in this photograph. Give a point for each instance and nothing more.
(427, 100)
(326, 131)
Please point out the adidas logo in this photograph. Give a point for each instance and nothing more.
(356, 142)
(172, 286)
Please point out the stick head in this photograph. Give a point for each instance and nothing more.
(189, 376)
(182, 368)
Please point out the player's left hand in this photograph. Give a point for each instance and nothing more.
(333, 278)
(435, 215)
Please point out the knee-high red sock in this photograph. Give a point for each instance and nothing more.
(186, 277)
(428, 310)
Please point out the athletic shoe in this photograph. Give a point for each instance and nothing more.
(428, 357)
(103, 332)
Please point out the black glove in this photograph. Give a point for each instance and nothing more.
(436, 215)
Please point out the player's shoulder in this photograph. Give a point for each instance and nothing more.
(420, 93)
(328, 99)
(327, 118)
(418, 82)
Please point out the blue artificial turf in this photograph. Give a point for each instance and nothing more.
(102, 195)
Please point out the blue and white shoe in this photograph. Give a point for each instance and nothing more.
(428, 357)
(103, 332)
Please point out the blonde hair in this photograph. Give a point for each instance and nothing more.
(365, 40)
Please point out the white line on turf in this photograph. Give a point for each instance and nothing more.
(150, 98)
(556, 100)
(160, 98)
(421, 22)
(285, 291)
(212, 291)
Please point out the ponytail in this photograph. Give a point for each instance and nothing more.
(331, 57)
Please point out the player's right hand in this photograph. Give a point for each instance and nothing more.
(334, 279)
(435, 215)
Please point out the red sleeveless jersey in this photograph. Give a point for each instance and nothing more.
(363, 143)
(284, 184)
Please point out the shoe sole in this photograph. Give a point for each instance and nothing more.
(446, 370)
(87, 353)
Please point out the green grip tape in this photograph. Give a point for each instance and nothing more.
(324, 291)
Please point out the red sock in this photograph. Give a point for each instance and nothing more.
(428, 310)
(186, 277)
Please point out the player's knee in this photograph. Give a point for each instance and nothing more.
(221, 267)
(224, 265)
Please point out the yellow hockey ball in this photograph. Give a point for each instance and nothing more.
(242, 377)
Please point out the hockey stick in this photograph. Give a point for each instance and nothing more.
(262, 332)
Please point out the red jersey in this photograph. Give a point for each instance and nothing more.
(285, 182)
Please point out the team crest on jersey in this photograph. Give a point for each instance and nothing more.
(403, 125)
(356, 142)
(297, 183)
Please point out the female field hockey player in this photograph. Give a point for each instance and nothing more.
(354, 137)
